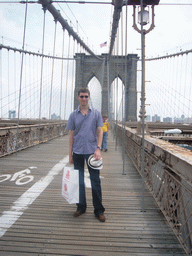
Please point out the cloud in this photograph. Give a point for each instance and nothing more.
(9, 28)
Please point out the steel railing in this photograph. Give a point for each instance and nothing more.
(171, 190)
(13, 139)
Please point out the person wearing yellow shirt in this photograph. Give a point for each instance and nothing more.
(105, 133)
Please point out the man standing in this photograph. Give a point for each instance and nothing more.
(85, 125)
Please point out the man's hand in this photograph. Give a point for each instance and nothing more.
(97, 154)
(70, 159)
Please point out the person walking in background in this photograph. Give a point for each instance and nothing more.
(105, 133)
(85, 138)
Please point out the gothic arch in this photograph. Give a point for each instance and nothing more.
(90, 77)
(95, 91)
(118, 76)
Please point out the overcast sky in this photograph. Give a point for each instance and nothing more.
(172, 31)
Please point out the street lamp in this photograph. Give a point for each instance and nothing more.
(143, 19)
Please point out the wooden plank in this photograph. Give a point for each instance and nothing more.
(47, 226)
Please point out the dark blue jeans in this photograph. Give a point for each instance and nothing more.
(79, 162)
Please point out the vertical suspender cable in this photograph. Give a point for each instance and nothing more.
(122, 33)
(15, 77)
(109, 95)
(171, 83)
(117, 85)
(180, 86)
(73, 69)
(25, 91)
(67, 78)
(41, 79)
(61, 88)
(163, 113)
(143, 104)
(123, 104)
(53, 62)
(30, 88)
(1, 84)
(8, 86)
(190, 86)
(122, 56)
(21, 74)
(77, 33)
(112, 96)
(1, 80)
(116, 112)
(102, 80)
(113, 93)
(176, 84)
(185, 83)
(109, 64)
(33, 83)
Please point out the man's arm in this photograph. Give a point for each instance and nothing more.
(71, 147)
(97, 153)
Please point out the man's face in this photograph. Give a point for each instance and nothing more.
(83, 98)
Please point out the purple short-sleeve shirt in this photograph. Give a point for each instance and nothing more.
(85, 127)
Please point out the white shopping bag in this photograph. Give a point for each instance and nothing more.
(70, 185)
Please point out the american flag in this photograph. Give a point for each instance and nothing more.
(103, 44)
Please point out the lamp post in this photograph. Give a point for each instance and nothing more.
(143, 19)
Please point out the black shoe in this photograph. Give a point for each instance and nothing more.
(105, 150)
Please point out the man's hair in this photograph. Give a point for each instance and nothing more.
(84, 90)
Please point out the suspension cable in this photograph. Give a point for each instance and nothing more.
(52, 75)
(57, 16)
(170, 55)
(21, 73)
(190, 89)
(24, 96)
(32, 53)
(8, 81)
(61, 88)
(67, 80)
(123, 91)
(73, 69)
(1, 78)
(15, 77)
(117, 85)
(41, 78)
(185, 82)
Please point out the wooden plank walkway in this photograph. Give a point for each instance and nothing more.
(35, 219)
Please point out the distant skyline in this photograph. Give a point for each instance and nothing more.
(167, 119)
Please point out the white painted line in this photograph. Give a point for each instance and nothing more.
(8, 218)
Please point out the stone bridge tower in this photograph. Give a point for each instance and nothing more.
(88, 66)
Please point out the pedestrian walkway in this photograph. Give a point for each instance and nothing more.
(36, 220)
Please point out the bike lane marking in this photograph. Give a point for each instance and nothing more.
(8, 218)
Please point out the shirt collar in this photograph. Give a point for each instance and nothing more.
(78, 109)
